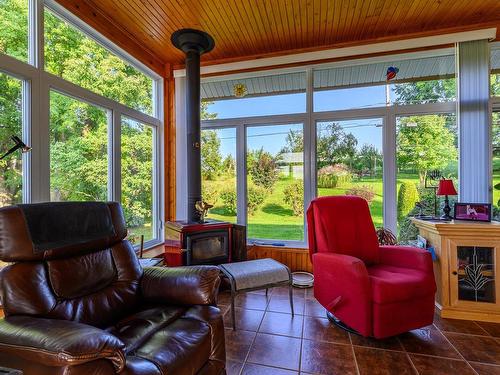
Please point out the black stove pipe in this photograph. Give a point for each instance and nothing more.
(193, 43)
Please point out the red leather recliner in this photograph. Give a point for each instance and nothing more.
(379, 291)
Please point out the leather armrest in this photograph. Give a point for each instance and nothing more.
(193, 285)
(53, 342)
(406, 257)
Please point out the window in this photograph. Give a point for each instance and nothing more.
(427, 149)
(419, 80)
(218, 172)
(275, 182)
(78, 150)
(14, 29)
(77, 58)
(349, 161)
(11, 120)
(255, 96)
(137, 178)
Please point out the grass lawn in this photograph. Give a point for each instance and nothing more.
(496, 179)
(275, 220)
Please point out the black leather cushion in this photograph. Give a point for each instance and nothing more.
(58, 230)
(67, 223)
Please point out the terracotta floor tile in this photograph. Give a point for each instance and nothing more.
(238, 344)
(282, 324)
(224, 298)
(321, 329)
(233, 368)
(283, 291)
(253, 369)
(282, 304)
(251, 301)
(248, 320)
(427, 341)
(492, 328)
(440, 366)
(313, 308)
(458, 326)
(391, 343)
(483, 369)
(327, 358)
(382, 362)
(483, 349)
(276, 351)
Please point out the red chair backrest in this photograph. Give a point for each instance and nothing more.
(343, 225)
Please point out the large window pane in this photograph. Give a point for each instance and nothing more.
(11, 170)
(137, 145)
(14, 28)
(349, 161)
(218, 172)
(426, 151)
(275, 162)
(78, 150)
(74, 56)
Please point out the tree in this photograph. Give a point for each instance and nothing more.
(433, 91)
(263, 168)
(335, 146)
(425, 143)
(294, 142)
(211, 159)
(369, 158)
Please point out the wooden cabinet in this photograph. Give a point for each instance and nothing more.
(467, 267)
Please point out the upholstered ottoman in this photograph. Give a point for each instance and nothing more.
(256, 275)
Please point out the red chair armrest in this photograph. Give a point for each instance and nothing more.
(406, 257)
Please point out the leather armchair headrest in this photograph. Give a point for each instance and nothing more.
(54, 230)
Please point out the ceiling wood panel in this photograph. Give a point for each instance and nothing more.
(257, 27)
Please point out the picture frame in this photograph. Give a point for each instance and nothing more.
(472, 211)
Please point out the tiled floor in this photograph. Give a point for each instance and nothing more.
(269, 341)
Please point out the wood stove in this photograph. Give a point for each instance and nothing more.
(211, 242)
(196, 241)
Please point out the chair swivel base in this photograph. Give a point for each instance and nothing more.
(340, 324)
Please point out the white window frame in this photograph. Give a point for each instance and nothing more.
(37, 84)
(309, 118)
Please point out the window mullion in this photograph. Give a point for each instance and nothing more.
(241, 174)
(114, 155)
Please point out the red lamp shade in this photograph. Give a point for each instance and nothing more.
(446, 187)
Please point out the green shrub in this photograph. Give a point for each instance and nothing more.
(255, 198)
(210, 193)
(263, 169)
(408, 231)
(333, 176)
(294, 197)
(365, 192)
(407, 197)
(228, 198)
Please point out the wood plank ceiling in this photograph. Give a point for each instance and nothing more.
(252, 28)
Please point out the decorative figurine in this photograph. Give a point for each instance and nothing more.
(202, 208)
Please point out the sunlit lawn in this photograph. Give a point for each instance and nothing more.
(275, 220)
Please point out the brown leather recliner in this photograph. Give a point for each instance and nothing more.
(77, 301)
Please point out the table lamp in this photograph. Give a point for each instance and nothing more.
(446, 188)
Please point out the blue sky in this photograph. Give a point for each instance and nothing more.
(272, 138)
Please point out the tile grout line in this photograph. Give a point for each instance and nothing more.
(458, 351)
(353, 353)
(411, 363)
(268, 300)
(302, 337)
